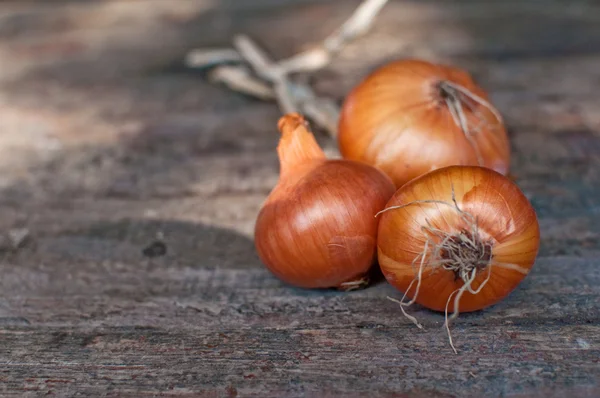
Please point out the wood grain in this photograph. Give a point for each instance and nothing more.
(139, 184)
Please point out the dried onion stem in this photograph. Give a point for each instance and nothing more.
(455, 96)
(274, 81)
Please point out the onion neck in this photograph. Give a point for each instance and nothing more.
(297, 146)
(444, 93)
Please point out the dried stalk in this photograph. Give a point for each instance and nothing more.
(267, 70)
(238, 78)
(358, 24)
(274, 81)
(207, 58)
(322, 110)
(257, 58)
(456, 99)
(317, 58)
(291, 96)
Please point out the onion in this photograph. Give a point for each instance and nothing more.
(410, 117)
(317, 228)
(457, 238)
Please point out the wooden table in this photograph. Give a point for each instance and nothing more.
(108, 145)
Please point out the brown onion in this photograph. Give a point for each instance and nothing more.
(457, 238)
(317, 228)
(410, 117)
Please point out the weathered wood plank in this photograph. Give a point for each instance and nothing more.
(231, 322)
(289, 361)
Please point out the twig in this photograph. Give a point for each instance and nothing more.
(307, 61)
(285, 100)
(269, 71)
(207, 58)
(317, 58)
(358, 24)
(257, 58)
(323, 111)
(238, 78)
(291, 96)
(274, 81)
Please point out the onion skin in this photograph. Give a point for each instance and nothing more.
(505, 219)
(398, 120)
(317, 228)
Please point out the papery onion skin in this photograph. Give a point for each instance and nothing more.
(317, 228)
(505, 218)
(397, 120)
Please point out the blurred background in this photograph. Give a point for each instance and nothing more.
(129, 185)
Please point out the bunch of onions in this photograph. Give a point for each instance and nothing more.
(457, 234)
(317, 228)
(410, 117)
(457, 238)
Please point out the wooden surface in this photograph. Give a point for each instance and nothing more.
(107, 142)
